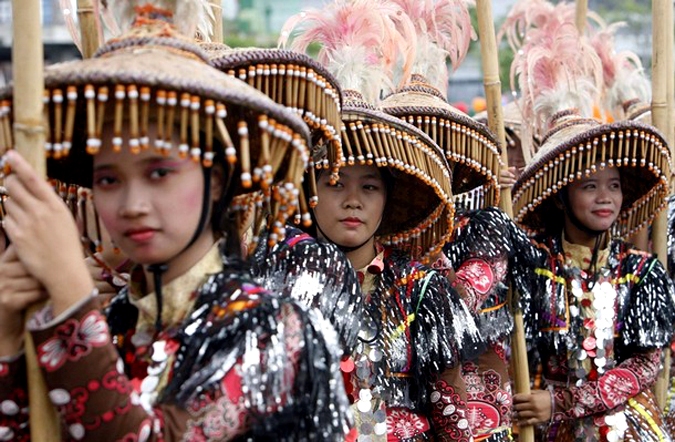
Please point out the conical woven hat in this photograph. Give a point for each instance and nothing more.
(470, 147)
(292, 79)
(577, 147)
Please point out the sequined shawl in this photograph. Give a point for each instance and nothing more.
(671, 236)
(489, 235)
(422, 325)
(235, 319)
(645, 300)
(315, 273)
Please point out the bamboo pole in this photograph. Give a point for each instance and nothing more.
(217, 6)
(88, 29)
(662, 69)
(670, 77)
(493, 95)
(581, 13)
(29, 136)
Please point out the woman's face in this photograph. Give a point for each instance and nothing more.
(596, 201)
(150, 204)
(349, 212)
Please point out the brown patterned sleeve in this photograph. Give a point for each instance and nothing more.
(86, 382)
(448, 406)
(612, 389)
(13, 399)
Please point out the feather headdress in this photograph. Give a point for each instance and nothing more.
(524, 15)
(191, 18)
(623, 75)
(105, 23)
(557, 70)
(444, 31)
(113, 17)
(360, 41)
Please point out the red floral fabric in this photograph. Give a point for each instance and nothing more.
(612, 389)
(97, 401)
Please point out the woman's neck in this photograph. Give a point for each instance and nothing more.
(364, 255)
(182, 263)
(575, 235)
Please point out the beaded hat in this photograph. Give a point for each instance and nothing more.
(360, 41)
(298, 82)
(292, 79)
(133, 81)
(574, 146)
(443, 30)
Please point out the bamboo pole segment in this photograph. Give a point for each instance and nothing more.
(493, 89)
(670, 77)
(493, 94)
(581, 13)
(662, 69)
(29, 136)
(88, 29)
(217, 7)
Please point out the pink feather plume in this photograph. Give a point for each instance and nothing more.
(361, 40)
(623, 75)
(68, 11)
(557, 70)
(444, 31)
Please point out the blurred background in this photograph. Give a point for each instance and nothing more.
(257, 23)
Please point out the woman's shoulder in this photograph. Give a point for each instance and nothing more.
(298, 245)
(631, 256)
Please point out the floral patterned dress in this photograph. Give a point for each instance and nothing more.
(599, 332)
(231, 361)
(487, 252)
(403, 375)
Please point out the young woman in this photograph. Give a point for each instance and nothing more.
(602, 310)
(193, 349)
(606, 312)
(390, 207)
(404, 369)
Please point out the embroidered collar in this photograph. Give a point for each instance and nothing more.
(580, 256)
(178, 296)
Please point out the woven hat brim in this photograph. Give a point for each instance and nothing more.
(469, 146)
(154, 67)
(579, 149)
(420, 211)
(290, 78)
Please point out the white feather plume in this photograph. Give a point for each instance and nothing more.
(191, 18)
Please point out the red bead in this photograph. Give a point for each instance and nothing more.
(589, 343)
(347, 365)
(108, 416)
(93, 385)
